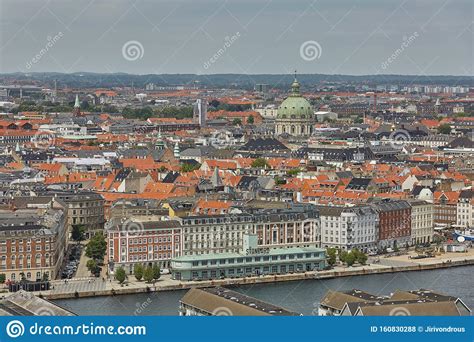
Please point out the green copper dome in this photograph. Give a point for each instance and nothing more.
(295, 106)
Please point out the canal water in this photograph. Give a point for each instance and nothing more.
(300, 296)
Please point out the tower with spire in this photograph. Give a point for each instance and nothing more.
(176, 151)
(216, 180)
(77, 107)
(295, 114)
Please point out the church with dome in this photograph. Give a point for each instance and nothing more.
(295, 116)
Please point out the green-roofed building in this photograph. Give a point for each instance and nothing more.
(253, 260)
(295, 115)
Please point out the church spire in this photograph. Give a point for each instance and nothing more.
(295, 87)
(176, 151)
(77, 106)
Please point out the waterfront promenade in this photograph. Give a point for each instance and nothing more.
(89, 287)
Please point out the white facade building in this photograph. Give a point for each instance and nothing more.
(268, 112)
(465, 209)
(349, 227)
(422, 222)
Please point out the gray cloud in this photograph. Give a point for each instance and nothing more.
(355, 37)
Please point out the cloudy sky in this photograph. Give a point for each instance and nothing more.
(418, 37)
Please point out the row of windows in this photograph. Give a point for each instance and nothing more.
(256, 259)
(151, 240)
(356, 232)
(215, 229)
(241, 271)
(217, 220)
(4, 249)
(350, 239)
(29, 240)
(88, 212)
(28, 257)
(146, 233)
(28, 275)
(30, 232)
(86, 205)
(20, 266)
(145, 257)
(144, 249)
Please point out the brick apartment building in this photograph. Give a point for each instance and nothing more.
(394, 223)
(33, 241)
(146, 242)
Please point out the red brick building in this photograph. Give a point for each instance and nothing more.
(131, 242)
(394, 223)
(32, 242)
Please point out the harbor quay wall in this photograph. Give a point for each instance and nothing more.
(117, 289)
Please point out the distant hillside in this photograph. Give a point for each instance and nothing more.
(230, 80)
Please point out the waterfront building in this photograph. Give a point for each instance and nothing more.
(252, 260)
(445, 208)
(219, 301)
(131, 241)
(400, 303)
(394, 223)
(33, 241)
(24, 303)
(465, 209)
(422, 223)
(349, 227)
(295, 115)
(295, 226)
(333, 302)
